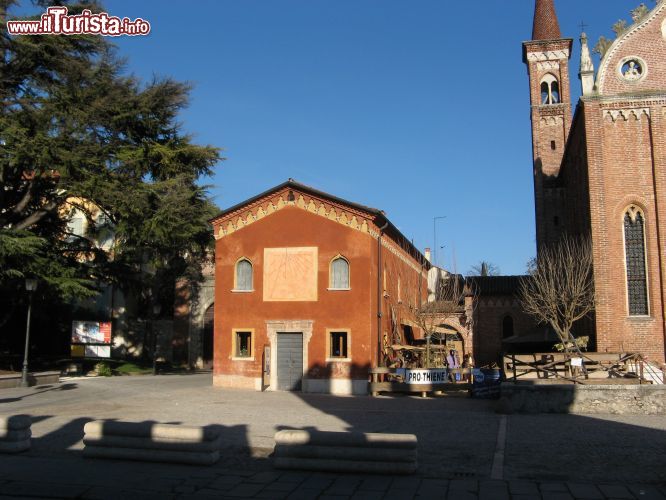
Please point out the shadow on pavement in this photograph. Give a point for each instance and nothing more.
(42, 389)
(458, 438)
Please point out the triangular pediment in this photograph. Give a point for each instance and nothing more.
(291, 195)
(636, 62)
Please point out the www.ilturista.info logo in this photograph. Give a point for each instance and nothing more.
(55, 21)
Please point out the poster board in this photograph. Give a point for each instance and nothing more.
(91, 339)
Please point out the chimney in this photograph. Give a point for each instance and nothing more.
(427, 254)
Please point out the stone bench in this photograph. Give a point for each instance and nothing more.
(346, 452)
(152, 442)
(15, 433)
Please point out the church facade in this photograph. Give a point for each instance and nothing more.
(601, 172)
(307, 288)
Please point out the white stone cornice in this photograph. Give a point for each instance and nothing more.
(550, 55)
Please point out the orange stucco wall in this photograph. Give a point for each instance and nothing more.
(350, 309)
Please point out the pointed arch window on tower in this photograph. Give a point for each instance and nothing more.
(634, 243)
(550, 90)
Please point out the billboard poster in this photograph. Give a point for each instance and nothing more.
(91, 332)
(91, 339)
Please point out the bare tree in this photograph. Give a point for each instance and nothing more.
(484, 268)
(454, 300)
(560, 290)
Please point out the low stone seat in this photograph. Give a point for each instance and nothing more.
(15, 433)
(152, 442)
(346, 452)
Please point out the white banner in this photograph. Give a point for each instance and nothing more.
(427, 376)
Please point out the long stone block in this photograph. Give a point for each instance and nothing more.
(346, 453)
(326, 465)
(14, 446)
(152, 430)
(180, 457)
(7, 435)
(15, 422)
(151, 443)
(352, 439)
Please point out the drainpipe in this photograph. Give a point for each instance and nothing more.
(659, 237)
(379, 292)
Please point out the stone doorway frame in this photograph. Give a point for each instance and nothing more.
(273, 327)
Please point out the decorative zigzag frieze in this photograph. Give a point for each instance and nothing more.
(551, 120)
(312, 205)
(551, 55)
(252, 213)
(626, 114)
(548, 65)
(404, 258)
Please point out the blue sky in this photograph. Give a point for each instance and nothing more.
(417, 108)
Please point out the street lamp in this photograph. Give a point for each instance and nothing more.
(434, 235)
(30, 286)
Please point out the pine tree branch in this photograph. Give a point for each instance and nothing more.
(21, 205)
(37, 216)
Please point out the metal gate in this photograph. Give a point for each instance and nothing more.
(289, 361)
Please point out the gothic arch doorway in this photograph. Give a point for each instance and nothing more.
(207, 340)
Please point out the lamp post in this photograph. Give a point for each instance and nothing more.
(30, 286)
(156, 311)
(434, 235)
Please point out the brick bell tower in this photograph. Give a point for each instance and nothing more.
(547, 58)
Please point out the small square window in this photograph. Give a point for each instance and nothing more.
(338, 345)
(243, 344)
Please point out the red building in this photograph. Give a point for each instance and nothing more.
(307, 286)
(601, 173)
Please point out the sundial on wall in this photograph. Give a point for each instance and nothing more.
(290, 274)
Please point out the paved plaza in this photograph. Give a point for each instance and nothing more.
(466, 450)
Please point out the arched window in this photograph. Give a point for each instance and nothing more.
(550, 90)
(339, 278)
(243, 275)
(507, 327)
(634, 247)
(545, 93)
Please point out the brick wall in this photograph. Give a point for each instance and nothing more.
(615, 156)
(488, 322)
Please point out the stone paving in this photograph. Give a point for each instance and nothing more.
(111, 479)
(544, 456)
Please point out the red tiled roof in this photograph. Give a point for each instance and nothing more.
(546, 26)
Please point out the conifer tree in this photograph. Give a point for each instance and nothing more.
(75, 126)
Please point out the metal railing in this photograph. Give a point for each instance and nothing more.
(577, 367)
